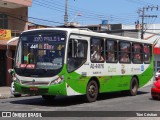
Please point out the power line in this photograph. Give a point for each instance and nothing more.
(73, 9)
(143, 16)
(53, 7)
(45, 20)
(85, 14)
(13, 16)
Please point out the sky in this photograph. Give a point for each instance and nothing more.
(91, 12)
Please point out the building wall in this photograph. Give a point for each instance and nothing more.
(132, 34)
(17, 17)
(21, 2)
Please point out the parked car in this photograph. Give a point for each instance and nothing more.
(155, 90)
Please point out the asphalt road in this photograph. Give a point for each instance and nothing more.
(106, 102)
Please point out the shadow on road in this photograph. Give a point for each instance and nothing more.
(61, 101)
(113, 95)
(154, 99)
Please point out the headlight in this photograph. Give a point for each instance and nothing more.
(15, 79)
(58, 80)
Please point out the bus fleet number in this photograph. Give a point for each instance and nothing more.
(97, 66)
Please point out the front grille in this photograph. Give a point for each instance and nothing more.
(155, 94)
(38, 83)
(38, 91)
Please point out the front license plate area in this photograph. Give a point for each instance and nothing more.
(33, 89)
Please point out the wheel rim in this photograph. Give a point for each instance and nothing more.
(92, 90)
(134, 87)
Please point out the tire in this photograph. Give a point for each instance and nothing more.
(133, 87)
(92, 91)
(48, 97)
(154, 98)
(17, 95)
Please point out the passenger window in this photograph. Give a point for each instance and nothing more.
(77, 54)
(147, 53)
(97, 50)
(137, 53)
(125, 52)
(111, 51)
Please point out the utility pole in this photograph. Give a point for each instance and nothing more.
(66, 13)
(143, 16)
(143, 12)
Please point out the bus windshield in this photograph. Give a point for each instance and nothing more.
(40, 50)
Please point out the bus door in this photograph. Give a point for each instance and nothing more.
(77, 56)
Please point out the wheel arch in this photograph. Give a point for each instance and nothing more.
(136, 78)
(96, 80)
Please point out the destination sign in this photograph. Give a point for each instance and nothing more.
(48, 39)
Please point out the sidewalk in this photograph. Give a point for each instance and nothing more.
(5, 92)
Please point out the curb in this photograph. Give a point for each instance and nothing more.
(4, 96)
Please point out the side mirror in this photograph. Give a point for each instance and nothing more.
(11, 71)
(8, 44)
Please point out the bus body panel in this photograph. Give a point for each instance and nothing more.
(111, 76)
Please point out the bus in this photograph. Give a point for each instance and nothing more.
(69, 61)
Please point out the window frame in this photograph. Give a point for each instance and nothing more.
(102, 51)
(115, 52)
(129, 52)
(150, 54)
(135, 52)
(74, 58)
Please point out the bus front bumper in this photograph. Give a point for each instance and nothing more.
(57, 89)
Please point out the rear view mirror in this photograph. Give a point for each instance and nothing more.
(10, 71)
(8, 47)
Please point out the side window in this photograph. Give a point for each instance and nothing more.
(111, 51)
(77, 54)
(97, 50)
(147, 52)
(18, 57)
(137, 53)
(125, 52)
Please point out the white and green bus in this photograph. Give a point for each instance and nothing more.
(70, 61)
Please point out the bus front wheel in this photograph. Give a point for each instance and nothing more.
(133, 87)
(92, 91)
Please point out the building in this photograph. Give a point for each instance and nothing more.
(116, 29)
(13, 20)
(33, 26)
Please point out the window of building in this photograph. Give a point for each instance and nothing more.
(125, 52)
(3, 21)
(111, 51)
(97, 50)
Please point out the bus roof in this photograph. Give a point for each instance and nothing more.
(95, 34)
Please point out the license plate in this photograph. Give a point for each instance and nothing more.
(33, 89)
